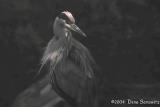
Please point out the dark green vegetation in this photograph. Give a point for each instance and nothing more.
(123, 36)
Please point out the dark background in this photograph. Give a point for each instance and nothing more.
(123, 36)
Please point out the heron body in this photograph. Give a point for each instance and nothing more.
(70, 63)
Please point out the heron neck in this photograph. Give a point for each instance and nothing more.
(64, 36)
(68, 37)
(65, 40)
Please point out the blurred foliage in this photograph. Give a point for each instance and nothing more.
(123, 36)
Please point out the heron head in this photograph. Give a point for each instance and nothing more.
(65, 20)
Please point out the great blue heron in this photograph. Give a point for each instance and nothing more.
(70, 63)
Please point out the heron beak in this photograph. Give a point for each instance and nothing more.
(75, 28)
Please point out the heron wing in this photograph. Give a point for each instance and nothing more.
(81, 55)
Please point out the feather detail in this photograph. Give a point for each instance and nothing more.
(81, 55)
(53, 54)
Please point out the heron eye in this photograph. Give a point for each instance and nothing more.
(64, 17)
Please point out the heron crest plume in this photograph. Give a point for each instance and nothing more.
(69, 15)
